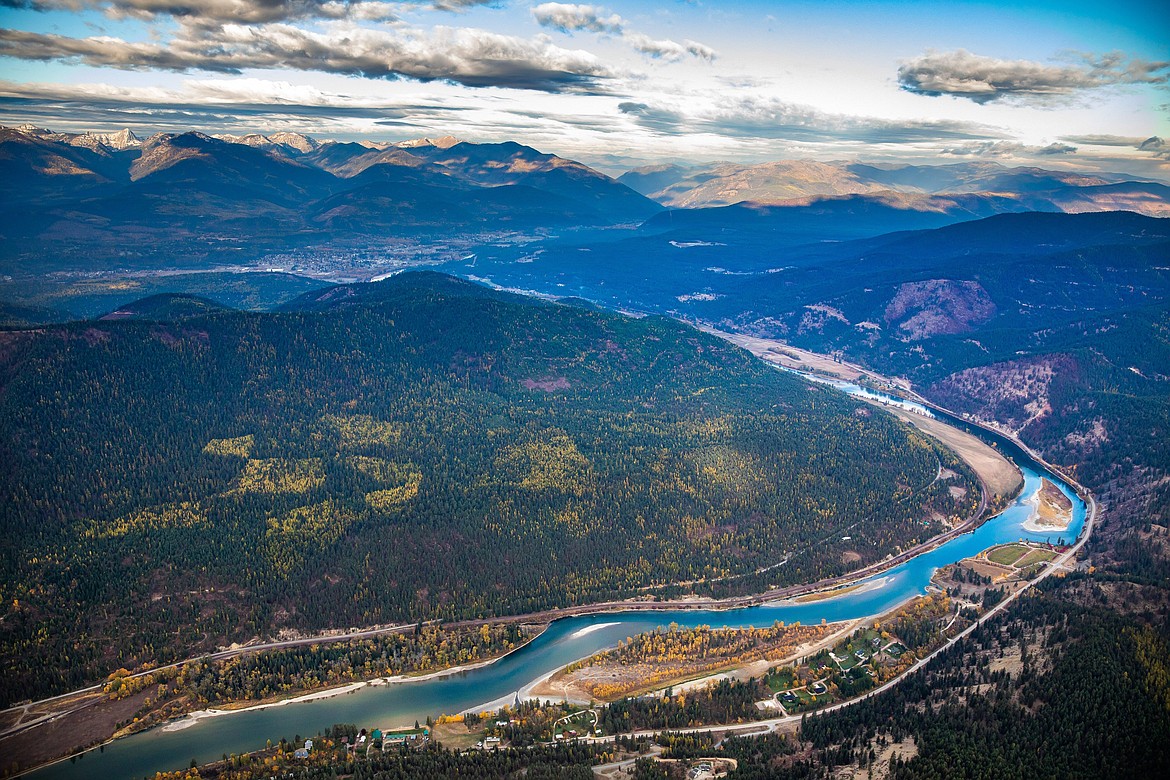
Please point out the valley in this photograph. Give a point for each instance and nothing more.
(286, 420)
(518, 667)
(285, 494)
(866, 603)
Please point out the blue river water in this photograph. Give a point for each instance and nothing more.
(566, 640)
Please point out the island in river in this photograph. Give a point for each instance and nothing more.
(1052, 510)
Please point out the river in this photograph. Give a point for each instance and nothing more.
(564, 641)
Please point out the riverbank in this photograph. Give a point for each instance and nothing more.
(999, 475)
(95, 722)
(192, 718)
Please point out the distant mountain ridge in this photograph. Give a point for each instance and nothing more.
(192, 193)
(919, 187)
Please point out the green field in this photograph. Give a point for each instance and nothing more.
(582, 723)
(780, 679)
(1007, 555)
(1034, 557)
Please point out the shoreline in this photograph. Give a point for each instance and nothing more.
(547, 616)
(184, 722)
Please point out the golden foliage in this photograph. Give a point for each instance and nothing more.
(655, 658)
(240, 446)
(185, 514)
(552, 463)
(381, 470)
(392, 498)
(291, 537)
(728, 468)
(361, 430)
(1151, 652)
(281, 475)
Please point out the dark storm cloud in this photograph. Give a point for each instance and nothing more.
(1105, 140)
(658, 119)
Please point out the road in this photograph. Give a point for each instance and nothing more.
(772, 724)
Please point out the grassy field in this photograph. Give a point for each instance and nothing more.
(1007, 555)
(456, 735)
(781, 679)
(1034, 557)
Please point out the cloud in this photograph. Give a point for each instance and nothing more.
(467, 56)
(984, 79)
(232, 105)
(765, 117)
(1105, 140)
(660, 120)
(210, 12)
(668, 50)
(458, 6)
(1155, 146)
(1007, 149)
(569, 18)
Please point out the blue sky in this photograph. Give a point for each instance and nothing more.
(1074, 85)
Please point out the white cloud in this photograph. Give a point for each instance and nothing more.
(983, 79)
(464, 55)
(210, 12)
(571, 17)
(568, 17)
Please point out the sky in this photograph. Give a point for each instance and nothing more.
(1065, 85)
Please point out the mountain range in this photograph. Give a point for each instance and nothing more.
(97, 201)
(192, 196)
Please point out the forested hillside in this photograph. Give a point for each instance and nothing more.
(420, 448)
